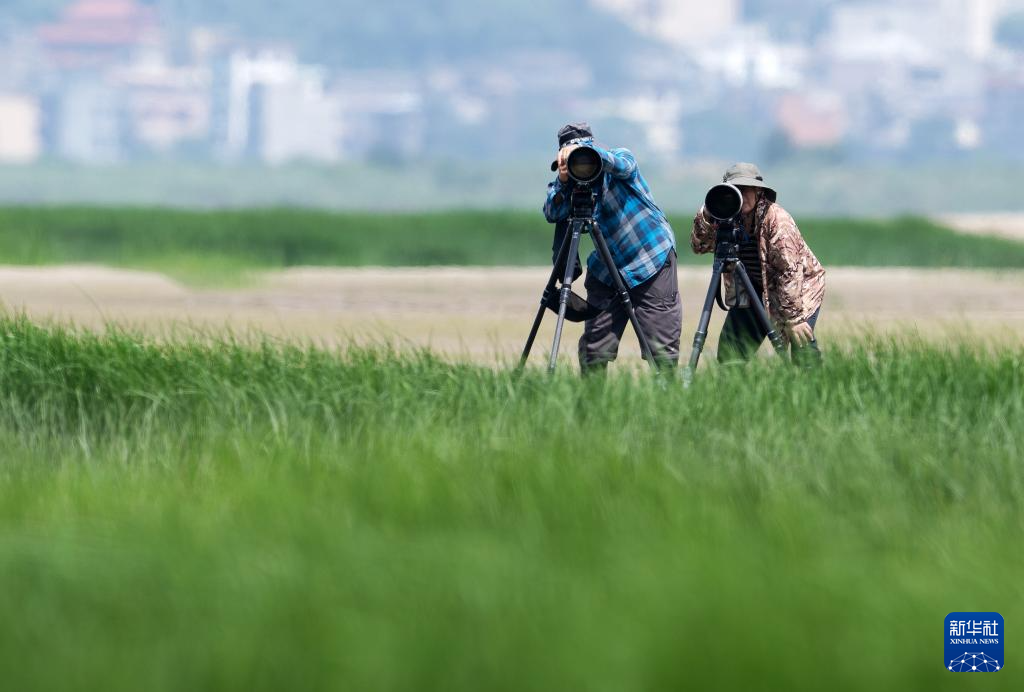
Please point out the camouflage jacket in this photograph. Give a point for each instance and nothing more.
(794, 280)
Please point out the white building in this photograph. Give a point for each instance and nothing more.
(382, 112)
(678, 22)
(20, 138)
(166, 105)
(277, 110)
(298, 120)
(917, 30)
(754, 59)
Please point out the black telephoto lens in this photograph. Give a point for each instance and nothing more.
(585, 165)
(724, 202)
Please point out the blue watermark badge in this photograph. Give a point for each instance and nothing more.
(974, 642)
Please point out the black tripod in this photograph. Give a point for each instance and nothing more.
(727, 251)
(581, 221)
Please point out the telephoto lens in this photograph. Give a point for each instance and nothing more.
(585, 165)
(724, 202)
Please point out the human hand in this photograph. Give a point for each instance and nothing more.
(800, 334)
(563, 161)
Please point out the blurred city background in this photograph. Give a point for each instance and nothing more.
(853, 106)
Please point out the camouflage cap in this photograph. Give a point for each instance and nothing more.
(748, 175)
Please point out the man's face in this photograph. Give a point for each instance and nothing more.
(749, 198)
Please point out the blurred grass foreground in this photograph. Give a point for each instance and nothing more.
(191, 243)
(253, 516)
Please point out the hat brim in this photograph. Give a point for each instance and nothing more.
(754, 182)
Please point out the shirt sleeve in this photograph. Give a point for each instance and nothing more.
(702, 239)
(619, 162)
(556, 207)
(786, 260)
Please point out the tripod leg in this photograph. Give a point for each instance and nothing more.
(576, 231)
(778, 343)
(562, 253)
(609, 262)
(701, 334)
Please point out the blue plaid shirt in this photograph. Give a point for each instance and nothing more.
(638, 234)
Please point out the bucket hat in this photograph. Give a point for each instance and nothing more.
(748, 175)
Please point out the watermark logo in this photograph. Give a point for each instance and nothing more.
(974, 642)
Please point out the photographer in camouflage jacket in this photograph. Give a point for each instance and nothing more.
(786, 274)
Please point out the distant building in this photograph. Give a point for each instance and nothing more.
(977, 20)
(274, 109)
(912, 74)
(298, 120)
(382, 113)
(754, 59)
(89, 123)
(916, 30)
(1004, 103)
(20, 129)
(165, 105)
(812, 120)
(107, 81)
(677, 23)
(895, 34)
(654, 114)
(94, 34)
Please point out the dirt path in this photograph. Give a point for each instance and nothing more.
(481, 313)
(1008, 225)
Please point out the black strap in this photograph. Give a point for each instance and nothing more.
(561, 229)
(578, 309)
(718, 297)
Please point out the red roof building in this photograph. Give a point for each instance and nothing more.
(812, 120)
(95, 33)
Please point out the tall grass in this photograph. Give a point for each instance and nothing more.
(191, 242)
(251, 515)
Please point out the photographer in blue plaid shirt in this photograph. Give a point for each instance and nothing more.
(641, 243)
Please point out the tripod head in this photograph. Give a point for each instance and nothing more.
(582, 201)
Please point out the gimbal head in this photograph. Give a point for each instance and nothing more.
(582, 202)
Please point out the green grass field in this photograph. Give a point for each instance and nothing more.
(236, 515)
(194, 245)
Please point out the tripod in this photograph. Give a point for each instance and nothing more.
(581, 221)
(727, 256)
